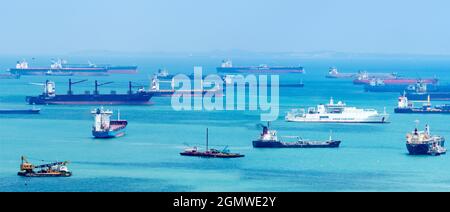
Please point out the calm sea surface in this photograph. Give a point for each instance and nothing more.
(373, 157)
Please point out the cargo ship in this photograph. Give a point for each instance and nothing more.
(336, 113)
(49, 97)
(231, 79)
(406, 106)
(227, 67)
(156, 91)
(210, 153)
(423, 143)
(269, 139)
(61, 68)
(423, 92)
(396, 81)
(104, 127)
(55, 169)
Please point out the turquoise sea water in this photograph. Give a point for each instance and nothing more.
(373, 157)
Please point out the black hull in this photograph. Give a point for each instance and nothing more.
(33, 174)
(12, 111)
(91, 99)
(278, 144)
(207, 155)
(421, 149)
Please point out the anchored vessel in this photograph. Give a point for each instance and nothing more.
(62, 68)
(227, 67)
(394, 81)
(422, 92)
(56, 169)
(406, 106)
(210, 153)
(423, 143)
(233, 80)
(336, 113)
(334, 73)
(50, 97)
(20, 111)
(269, 139)
(104, 127)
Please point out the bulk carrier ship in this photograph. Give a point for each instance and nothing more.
(49, 97)
(227, 67)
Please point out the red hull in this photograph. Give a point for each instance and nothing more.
(398, 81)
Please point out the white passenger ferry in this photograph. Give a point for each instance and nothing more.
(336, 113)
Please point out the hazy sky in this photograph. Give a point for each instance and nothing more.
(379, 26)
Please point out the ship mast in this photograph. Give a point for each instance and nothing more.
(207, 139)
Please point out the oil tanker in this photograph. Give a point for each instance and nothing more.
(396, 81)
(62, 68)
(227, 67)
(49, 97)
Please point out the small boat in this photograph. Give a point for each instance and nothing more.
(423, 143)
(56, 169)
(210, 153)
(269, 139)
(104, 127)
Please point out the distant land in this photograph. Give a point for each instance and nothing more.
(242, 54)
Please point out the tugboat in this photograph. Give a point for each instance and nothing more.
(405, 106)
(423, 143)
(49, 97)
(104, 127)
(336, 113)
(269, 139)
(210, 153)
(56, 169)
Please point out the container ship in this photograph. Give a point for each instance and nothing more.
(61, 68)
(423, 143)
(269, 139)
(396, 81)
(227, 67)
(49, 96)
(104, 127)
(336, 113)
(406, 106)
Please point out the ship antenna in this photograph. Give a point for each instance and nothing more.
(207, 139)
(331, 133)
(118, 115)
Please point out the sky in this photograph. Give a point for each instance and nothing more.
(378, 26)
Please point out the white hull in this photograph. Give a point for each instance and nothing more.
(338, 119)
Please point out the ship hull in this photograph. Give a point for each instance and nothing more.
(209, 155)
(278, 144)
(434, 96)
(18, 111)
(117, 130)
(396, 81)
(421, 149)
(35, 174)
(260, 70)
(368, 120)
(87, 99)
(421, 111)
(60, 71)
